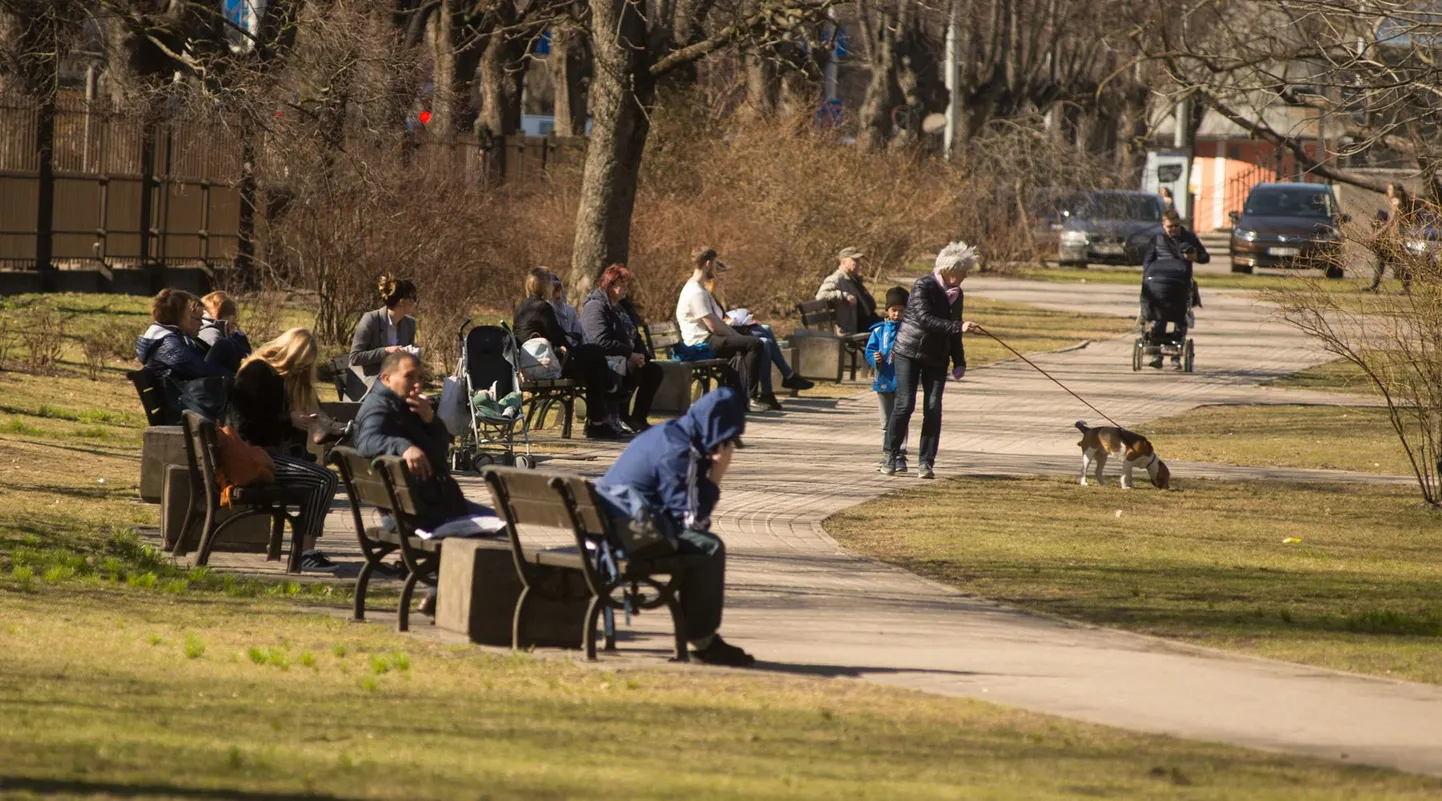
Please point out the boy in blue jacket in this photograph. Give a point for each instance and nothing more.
(878, 355)
(674, 469)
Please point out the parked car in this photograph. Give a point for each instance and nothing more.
(1288, 226)
(1106, 226)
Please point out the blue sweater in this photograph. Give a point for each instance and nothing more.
(878, 347)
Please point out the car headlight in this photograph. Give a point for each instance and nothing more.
(1073, 238)
(1243, 233)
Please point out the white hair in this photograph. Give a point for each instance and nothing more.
(957, 257)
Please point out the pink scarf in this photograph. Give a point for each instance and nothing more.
(952, 292)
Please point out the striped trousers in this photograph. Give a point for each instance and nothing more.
(320, 483)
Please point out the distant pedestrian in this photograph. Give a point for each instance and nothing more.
(878, 355)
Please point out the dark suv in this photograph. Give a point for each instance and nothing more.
(1288, 225)
(1106, 226)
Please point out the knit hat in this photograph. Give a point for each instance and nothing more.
(896, 296)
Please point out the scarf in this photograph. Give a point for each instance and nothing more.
(952, 293)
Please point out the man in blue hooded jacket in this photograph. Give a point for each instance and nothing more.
(675, 469)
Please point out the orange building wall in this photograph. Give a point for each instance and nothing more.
(1223, 171)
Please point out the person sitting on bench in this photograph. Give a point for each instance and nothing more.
(397, 420)
(178, 362)
(220, 331)
(675, 469)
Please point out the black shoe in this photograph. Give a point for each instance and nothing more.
(798, 383)
(603, 432)
(770, 400)
(428, 604)
(317, 562)
(637, 424)
(1157, 363)
(720, 652)
(393, 570)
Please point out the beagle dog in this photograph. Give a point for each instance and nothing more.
(1135, 450)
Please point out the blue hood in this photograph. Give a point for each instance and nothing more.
(718, 417)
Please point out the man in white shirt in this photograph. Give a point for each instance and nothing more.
(702, 321)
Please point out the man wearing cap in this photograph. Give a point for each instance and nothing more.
(855, 308)
(703, 322)
(673, 471)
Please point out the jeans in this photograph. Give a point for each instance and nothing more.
(749, 352)
(1159, 332)
(887, 402)
(703, 587)
(932, 380)
(768, 338)
(643, 381)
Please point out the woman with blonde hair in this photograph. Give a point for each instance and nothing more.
(273, 405)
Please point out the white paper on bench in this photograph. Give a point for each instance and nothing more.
(473, 526)
(741, 317)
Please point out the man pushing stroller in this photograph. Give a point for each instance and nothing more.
(1168, 289)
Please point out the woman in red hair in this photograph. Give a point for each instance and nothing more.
(607, 324)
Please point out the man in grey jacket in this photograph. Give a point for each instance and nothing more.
(855, 308)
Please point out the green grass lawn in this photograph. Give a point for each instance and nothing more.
(1344, 576)
(121, 693)
(1338, 375)
(1359, 438)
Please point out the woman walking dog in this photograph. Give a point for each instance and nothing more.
(929, 337)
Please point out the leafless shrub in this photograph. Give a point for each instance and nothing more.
(5, 342)
(44, 339)
(119, 342)
(1396, 341)
(96, 349)
(262, 315)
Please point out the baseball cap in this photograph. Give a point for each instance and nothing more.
(851, 253)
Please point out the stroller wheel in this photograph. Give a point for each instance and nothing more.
(482, 460)
(1137, 355)
(525, 462)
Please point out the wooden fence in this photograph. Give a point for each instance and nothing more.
(128, 196)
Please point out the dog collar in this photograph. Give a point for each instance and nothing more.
(1154, 460)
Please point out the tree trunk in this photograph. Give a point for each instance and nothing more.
(570, 56)
(763, 85)
(501, 76)
(621, 97)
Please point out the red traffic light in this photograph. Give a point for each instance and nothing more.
(425, 117)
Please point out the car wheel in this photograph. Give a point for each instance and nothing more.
(1334, 271)
(1242, 268)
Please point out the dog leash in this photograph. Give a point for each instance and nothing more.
(1017, 354)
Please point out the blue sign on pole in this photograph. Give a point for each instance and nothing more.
(842, 48)
(829, 113)
(543, 45)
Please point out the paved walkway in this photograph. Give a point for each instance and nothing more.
(802, 605)
(797, 599)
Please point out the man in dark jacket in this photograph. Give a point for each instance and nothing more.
(1175, 242)
(396, 420)
(675, 469)
(607, 325)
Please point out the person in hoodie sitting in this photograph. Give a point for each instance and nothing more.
(674, 470)
(171, 353)
(878, 355)
(220, 331)
(395, 419)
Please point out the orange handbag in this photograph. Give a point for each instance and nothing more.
(241, 464)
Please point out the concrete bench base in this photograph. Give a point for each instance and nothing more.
(160, 447)
(247, 536)
(477, 590)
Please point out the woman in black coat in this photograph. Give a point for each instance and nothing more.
(606, 324)
(536, 317)
(929, 337)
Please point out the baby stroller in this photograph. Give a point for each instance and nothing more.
(489, 365)
(1168, 296)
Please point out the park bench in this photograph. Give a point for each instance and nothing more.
(818, 347)
(542, 510)
(681, 375)
(543, 395)
(385, 484)
(270, 500)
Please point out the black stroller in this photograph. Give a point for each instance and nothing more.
(489, 362)
(1168, 296)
